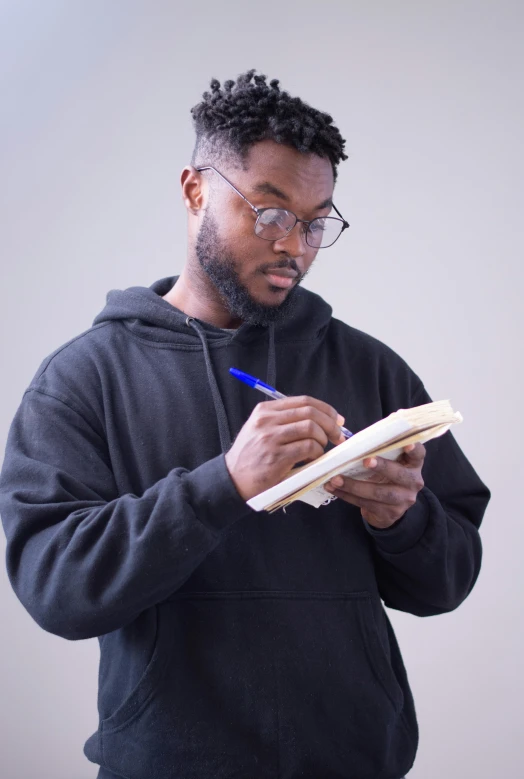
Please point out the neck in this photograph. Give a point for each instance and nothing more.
(197, 297)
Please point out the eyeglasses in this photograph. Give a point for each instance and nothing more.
(275, 223)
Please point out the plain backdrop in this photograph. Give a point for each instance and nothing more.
(95, 127)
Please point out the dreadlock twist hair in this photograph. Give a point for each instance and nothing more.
(230, 119)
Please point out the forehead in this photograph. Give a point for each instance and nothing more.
(306, 179)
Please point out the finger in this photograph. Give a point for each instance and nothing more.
(385, 512)
(394, 472)
(300, 430)
(384, 494)
(295, 414)
(301, 451)
(413, 455)
(295, 401)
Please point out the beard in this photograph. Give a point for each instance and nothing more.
(220, 267)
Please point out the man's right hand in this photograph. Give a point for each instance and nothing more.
(277, 435)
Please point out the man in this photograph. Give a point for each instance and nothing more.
(235, 643)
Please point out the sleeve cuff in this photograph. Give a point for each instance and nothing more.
(214, 496)
(405, 533)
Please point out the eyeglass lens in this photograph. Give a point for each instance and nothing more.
(275, 223)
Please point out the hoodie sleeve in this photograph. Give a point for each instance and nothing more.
(428, 561)
(83, 560)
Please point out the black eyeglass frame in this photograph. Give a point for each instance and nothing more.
(260, 211)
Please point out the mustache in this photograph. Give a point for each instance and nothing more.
(287, 264)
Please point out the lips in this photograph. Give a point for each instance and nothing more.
(281, 277)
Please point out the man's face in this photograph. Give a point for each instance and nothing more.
(254, 277)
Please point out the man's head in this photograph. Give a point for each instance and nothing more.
(278, 152)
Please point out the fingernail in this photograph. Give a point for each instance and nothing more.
(372, 463)
(338, 481)
(340, 420)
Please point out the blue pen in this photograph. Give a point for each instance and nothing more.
(261, 386)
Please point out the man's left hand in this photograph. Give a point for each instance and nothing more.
(392, 489)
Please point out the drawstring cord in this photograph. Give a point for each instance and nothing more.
(271, 357)
(222, 420)
(223, 424)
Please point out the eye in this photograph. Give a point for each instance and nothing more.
(318, 225)
(276, 217)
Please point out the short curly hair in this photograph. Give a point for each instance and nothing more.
(230, 119)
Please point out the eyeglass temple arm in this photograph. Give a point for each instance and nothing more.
(255, 209)
(210, 167)
(346, 224)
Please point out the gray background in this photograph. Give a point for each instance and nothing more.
(95, 100)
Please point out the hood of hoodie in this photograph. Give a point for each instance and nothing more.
(149, 315)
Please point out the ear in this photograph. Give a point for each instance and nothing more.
(194, 189)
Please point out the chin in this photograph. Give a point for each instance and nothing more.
(278, 291)
(272, 300)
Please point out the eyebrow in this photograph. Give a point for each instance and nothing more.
(266, 188)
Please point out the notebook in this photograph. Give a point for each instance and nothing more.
(385, 438)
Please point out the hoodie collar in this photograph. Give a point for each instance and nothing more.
(144, 311)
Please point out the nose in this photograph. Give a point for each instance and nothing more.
(293, 244)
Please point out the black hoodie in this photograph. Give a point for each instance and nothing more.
(234, 644)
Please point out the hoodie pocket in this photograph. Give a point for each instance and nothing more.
(341, 707)
(151, 678)
(261, 685)
(375, 648)
(205, 705)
